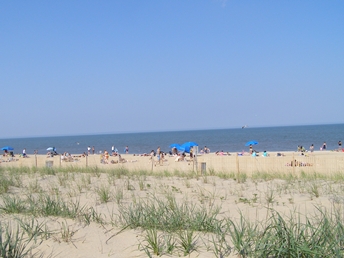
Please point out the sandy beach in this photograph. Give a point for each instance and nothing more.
(99, 197)
(315, 162)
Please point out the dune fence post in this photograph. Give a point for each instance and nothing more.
(152, 157)
(195, 160)
(193, 163)
(293, 164)
(87, 160)
(36, 160)
(237, 165)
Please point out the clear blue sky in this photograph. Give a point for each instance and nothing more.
(89, 67)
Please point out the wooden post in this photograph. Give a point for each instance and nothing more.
(152, 161)
(195, 158)
(36, 160)
(87, 160)
(293, 164)
(237, 165)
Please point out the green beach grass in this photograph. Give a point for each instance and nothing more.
(175, 214)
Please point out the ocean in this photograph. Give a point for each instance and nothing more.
(284, 138)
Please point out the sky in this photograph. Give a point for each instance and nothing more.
(91, 67)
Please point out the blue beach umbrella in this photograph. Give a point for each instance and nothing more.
(251, 143)
(7, 148)
(191, 144)
(180, 148)
(188, 145)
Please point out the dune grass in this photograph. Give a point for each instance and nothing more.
(168, 215)
(15, 243)
(172, 225)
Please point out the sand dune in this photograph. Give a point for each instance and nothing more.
(103, 196)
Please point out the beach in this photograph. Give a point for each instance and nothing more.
(99, 197)
(231, 162)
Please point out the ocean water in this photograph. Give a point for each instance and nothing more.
(285, 138)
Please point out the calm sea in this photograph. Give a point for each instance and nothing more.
(285, 138)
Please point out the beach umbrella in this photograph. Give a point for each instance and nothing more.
(50, 149)
(7, 148)
(188, 145)
(191, 144)
(180, 148)
(251, 143)
(177, 146)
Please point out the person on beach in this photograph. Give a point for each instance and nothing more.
(112, 149)
(106, 156)
(251, 149)
(340, 145)
(93, 150)
(206, 150)
(89, 150)
(63, 157)
(323, 146)
(126, 150)
(152, 154)
(121, 160)
(162, 157)
(311, 148)
(24, 153)
(158, 155)
(219, 153)
(181, 157)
